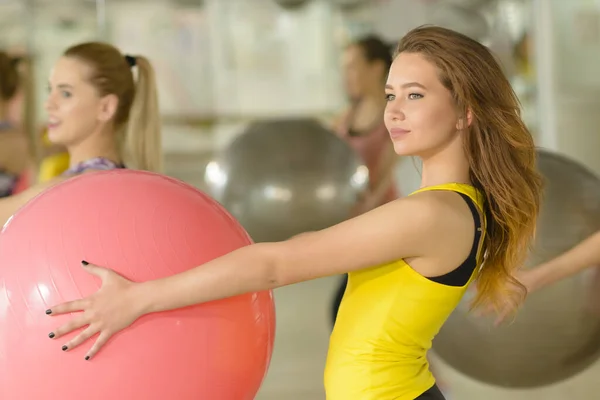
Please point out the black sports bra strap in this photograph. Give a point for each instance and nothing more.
(473, 209)
(461, 275)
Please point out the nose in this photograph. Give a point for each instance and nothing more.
(395, 111)
(49, 104)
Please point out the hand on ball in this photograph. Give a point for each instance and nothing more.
(106, 312)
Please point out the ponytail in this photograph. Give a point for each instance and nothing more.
(137, 114)
(143, 132)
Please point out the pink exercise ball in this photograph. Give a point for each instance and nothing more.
(145, 226)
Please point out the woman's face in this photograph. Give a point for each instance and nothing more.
(360, 75)
(420, 115)
(73, 105)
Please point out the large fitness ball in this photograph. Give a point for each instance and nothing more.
(145, 226)
(556, 334)
(280, 178)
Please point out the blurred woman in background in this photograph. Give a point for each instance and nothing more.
(15, 156)
(366, 63)
(101, 114)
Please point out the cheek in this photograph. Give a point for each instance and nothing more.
(79, 111)
(435, 121)
(66, 108)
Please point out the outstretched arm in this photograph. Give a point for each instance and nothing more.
(585, 255)
(411, 227)
(10, 205)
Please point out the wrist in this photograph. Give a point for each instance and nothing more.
(536, 279)
(140, 294)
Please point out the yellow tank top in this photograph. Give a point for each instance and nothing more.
(386, 323)
(53, 165)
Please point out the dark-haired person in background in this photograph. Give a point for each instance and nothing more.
(366, 63)
(15, 158)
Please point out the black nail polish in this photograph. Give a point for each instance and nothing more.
(64, 348)
(84, 262)
(87, 358)
(51, 335)
(48, 311)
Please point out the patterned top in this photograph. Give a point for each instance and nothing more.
(98, 163)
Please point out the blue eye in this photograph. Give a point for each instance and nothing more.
(415, 96)
(390, 97)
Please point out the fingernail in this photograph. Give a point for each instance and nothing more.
(87, 358)
(64, 348)
(84, 262)
(51, 335)
(48, 311)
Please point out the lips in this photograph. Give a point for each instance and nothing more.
(53, 123)
(397, 133)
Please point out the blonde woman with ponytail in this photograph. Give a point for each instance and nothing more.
(103, 108)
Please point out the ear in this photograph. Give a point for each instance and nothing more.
(465, 121)
(108, 107)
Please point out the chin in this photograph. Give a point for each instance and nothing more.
(55, 137)
(402, 149)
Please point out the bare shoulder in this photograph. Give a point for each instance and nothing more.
(447, 206)
(339, 121)
(451, 240)
(9, 205)
(410, 227)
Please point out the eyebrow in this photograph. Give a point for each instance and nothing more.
(407, 85)
(61, 86)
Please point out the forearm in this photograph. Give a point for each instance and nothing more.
(585, 255)
(11, 204)
(249, 269)
(8, 206)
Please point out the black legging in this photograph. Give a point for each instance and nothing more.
(432, 394)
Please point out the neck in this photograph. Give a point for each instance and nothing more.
(447, 166)
(101, 146)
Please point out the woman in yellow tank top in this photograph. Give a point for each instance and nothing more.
(411, 260)
(55, 160)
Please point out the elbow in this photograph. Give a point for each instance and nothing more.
(272, 274)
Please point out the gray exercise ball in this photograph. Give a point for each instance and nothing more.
(284, 177)
(555, 335)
